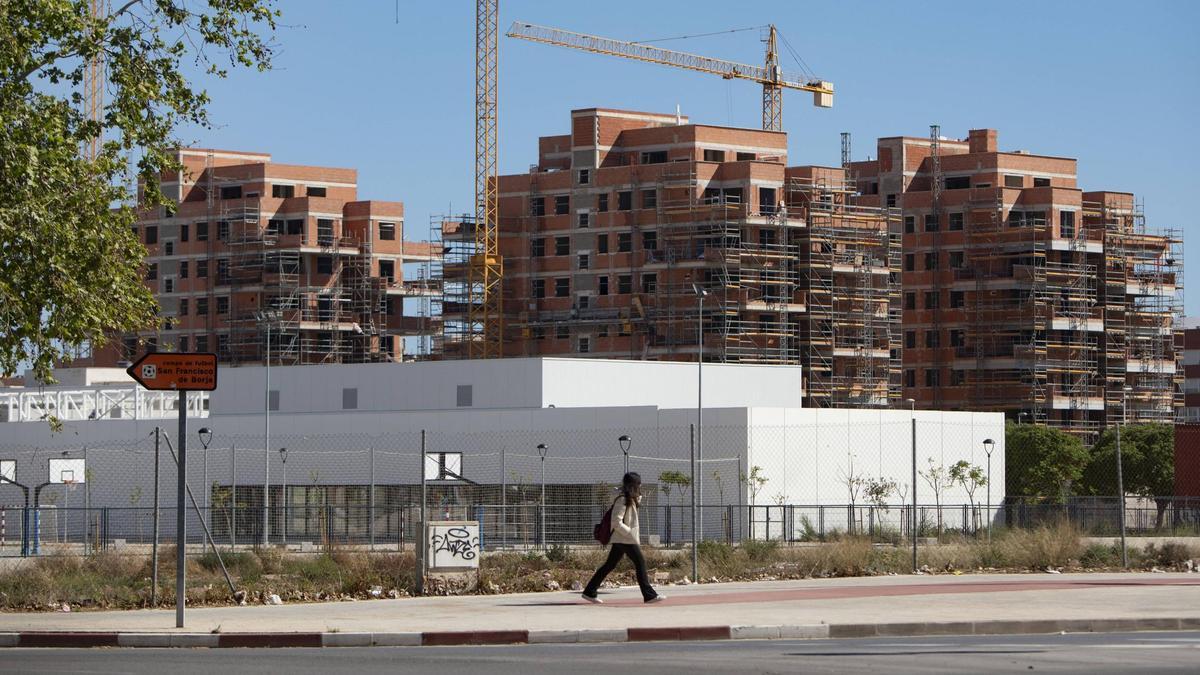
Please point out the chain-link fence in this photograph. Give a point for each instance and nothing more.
(535, 488)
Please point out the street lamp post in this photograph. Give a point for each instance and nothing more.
(266, 317)
(205, 438)
(541, 448)
(912, 403)
(988, 445)
(625, 442)
(1121, 475)
(283, 457)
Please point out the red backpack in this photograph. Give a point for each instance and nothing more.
(603, 531)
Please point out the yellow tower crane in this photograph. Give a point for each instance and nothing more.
(485, 268)
(769, 75)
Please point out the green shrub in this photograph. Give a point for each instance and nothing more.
(1169, 554)
(715, 552)
(558, 553)
(808, 532)
(760, 550)
(1100, 555)
(242, 564)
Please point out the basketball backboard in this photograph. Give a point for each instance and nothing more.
(66, 471)
(443, 465)
(8, 469)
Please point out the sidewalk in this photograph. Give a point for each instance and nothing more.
(906, 605)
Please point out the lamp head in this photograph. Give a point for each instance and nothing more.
(283, 455)
(988, 445)
(205, 436)
(625, 442)
(541, 448)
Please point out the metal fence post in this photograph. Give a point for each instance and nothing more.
(371, 504)
(695, 540)
(87, 503)
(420, 543)
(503, 496)
(154, 544)
(233, 521)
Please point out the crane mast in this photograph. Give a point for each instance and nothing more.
(485, 311)
(93, 84)
(772, 104)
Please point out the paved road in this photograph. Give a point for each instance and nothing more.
(1093, 654)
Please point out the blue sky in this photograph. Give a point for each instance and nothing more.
(1114, 84)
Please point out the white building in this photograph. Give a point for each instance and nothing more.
(353, 431)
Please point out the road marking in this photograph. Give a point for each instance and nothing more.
(1137, 646)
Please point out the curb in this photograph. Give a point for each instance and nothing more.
(80, 639)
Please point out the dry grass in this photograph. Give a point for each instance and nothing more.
(108, 580)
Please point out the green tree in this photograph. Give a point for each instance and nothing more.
(754, 482)
(674, 480)
(70, 266)
(938, 479)
(1147, 463)
(878, 490)
(971, 478)
(1042, 462)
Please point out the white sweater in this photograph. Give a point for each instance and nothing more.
(625, 523)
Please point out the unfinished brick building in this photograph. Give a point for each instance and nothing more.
(610, 239)
(253, 247)
(1023, 293)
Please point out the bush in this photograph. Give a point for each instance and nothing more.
(1052, 544)
(1169, 554)
(558, 553)
(715, 552)
(242, 564)
(760, 550)
(807, 531)
(850, 556)
(1100, 555)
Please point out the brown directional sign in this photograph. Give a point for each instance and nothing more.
(176, 371)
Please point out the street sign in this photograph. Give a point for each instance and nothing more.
(181, 372)
(176, 371)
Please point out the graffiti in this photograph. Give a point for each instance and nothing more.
(456, 541)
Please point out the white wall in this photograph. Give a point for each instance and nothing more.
(597, 382)
(807, 454)
(501, 383)
(804, 453)
(506, 384)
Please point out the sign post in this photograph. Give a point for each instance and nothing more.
(182, 372)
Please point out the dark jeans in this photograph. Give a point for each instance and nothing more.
(614, 556)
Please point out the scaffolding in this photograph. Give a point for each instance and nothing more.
(850, 267)
(805, 279)
(1037, 323)
(456, 236)
(1142, 296)
(343, 319)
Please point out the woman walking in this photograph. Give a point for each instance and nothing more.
(625, 539)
